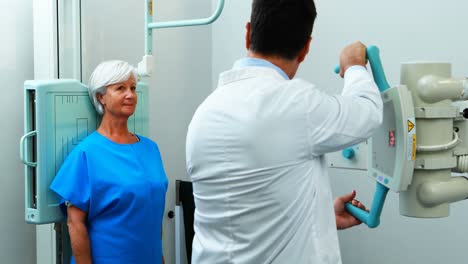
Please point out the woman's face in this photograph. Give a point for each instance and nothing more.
(120, 99)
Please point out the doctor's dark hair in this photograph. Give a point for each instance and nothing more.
(281, 27)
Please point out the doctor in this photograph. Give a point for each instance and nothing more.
(256, 145)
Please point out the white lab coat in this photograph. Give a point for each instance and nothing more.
(255, 155)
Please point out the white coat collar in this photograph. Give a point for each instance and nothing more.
(247, 68)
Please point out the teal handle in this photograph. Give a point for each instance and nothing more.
(192, 22)
(150, 25)
(371, 218)
(23, 149)
(373, 55)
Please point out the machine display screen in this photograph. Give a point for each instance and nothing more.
(392, 147)
(384, 142)
(391, 138)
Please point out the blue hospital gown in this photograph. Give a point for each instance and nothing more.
(122, 187)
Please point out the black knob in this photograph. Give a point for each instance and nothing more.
(465, 113)
(170, 214)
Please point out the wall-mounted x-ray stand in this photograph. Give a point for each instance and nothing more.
(56, 55)
(58, 116)
(58, 113)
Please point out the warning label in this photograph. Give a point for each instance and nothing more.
(411, 154)
(410, 126)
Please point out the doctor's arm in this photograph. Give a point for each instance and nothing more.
(78, 231)
(350, 118)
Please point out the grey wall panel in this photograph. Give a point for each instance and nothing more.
(181, 81)
(18, 239)
(111, 30)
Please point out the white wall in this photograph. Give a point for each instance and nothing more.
(404, 31)
(181, 81)
(18, 239)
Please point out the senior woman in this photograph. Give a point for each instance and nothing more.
(113, 183)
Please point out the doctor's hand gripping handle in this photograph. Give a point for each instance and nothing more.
(373, 55)
(372, 218)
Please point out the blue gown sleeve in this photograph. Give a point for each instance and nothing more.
(72, 180)
(162, 171)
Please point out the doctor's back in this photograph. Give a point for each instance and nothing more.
(255, 147)
(261, 194)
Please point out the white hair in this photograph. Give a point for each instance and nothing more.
(105, 74)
